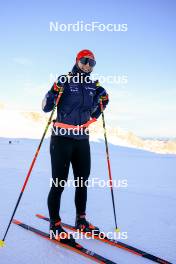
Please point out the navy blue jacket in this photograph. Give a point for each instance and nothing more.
(79, 101)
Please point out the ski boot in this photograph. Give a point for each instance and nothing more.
(83, 225)
(58, 233)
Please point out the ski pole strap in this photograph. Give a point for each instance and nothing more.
(78, 127)
(101, 105)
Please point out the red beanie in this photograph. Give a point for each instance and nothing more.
(85, 53)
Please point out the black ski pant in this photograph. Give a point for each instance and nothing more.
(63, 151)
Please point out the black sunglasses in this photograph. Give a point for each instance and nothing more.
(85, 60)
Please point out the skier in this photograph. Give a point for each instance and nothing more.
(78, 105)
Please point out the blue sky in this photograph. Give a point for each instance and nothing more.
(30, 53)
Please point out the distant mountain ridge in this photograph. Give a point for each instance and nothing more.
(30, 124)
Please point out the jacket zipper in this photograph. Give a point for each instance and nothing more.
(81, 103)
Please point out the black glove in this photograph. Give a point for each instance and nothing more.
(105, 100)
(101, 94)
(57, 85)
(55, 89)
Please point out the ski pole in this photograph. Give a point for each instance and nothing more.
(108, 164)
(32, 164)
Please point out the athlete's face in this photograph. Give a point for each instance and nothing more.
(85, 67)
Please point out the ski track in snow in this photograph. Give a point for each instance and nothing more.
(145, 209)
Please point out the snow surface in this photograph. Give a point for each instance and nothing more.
(145, 209)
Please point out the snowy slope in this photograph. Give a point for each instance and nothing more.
(145, 209)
